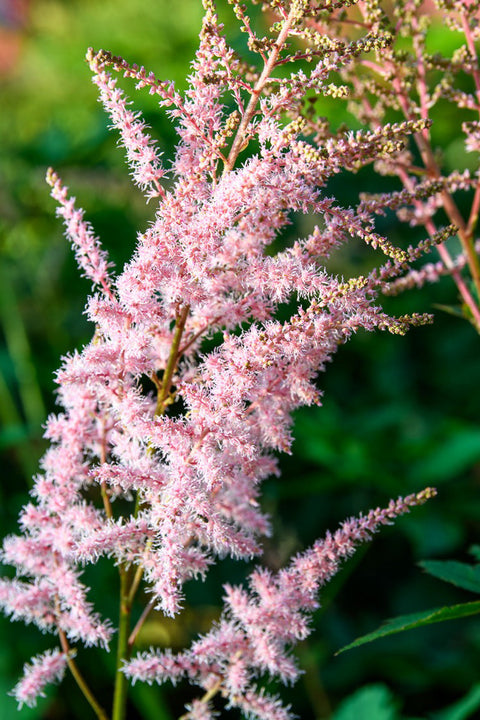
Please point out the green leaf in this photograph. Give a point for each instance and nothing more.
(372, 701)
(455, 310)
(415, 620)
(459, 450)
(461, 574)
(462, 709)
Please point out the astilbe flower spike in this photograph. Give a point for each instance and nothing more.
(203, 271)
(258, 627)
(46, 668)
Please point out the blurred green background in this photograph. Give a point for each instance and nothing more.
(398, 413)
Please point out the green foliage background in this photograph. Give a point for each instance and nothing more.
(398, 413)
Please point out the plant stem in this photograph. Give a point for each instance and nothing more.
(239, 139)
(207, 696)
(146, 612)
(107, 506)
(129, 586)
(79, 679)
(172, 361)
(123, 650)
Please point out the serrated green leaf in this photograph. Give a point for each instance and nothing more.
(415, 620)
(460, 574)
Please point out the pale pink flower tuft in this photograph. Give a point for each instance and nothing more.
(259, 626)
(49, 667)
(199, 710)
(91, 258)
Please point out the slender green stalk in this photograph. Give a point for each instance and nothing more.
(79, 679)
(146, 612)
(107, 506)
(123, 650)
(172, 361)
(129, 586)
(208, 696)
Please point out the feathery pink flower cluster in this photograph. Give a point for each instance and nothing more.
(192, 317)
(46, 668)
(258, 628)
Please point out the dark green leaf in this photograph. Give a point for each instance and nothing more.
(415, 620)
(459, 451)
(461, 574)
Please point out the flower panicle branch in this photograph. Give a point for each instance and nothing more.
(49, 667)
(259, 626)
(91, 257)
(409, 83)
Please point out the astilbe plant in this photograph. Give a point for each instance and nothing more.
(166, 481)
(413, 81)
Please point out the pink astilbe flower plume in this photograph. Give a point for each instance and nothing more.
(259, 626)
(172, 413)
(44, 669)
(142, 155)
(91, 258)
